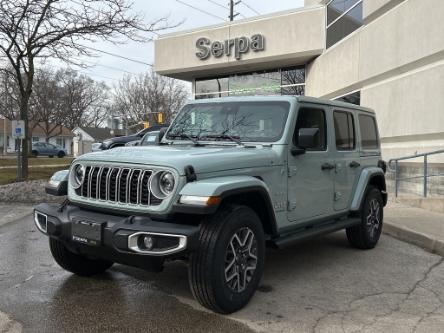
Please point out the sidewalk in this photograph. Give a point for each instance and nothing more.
(37, 166)
(417, 226)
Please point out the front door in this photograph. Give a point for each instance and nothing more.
(347, 161)
(310, 175)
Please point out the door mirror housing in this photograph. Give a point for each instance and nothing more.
(308, 138)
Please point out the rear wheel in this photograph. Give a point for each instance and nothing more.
(76, 263)
(61, 154)
(227, 267)
(366, 235)
(35, 153)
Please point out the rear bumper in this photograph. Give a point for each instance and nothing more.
(115, 238)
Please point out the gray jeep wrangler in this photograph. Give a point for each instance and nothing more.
(228, 177)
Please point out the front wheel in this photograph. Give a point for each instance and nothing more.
(226, 268)
(366, 235)
(76, 263)
(61, 154)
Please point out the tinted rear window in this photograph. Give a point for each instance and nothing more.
(344, 130)
(369, 132)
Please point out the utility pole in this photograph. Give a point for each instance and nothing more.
(5, 137)
(232, 5)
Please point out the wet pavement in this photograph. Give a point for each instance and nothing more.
(317, 286)
(39, 295)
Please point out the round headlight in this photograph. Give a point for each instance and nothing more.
(78, 175)
(166, 183)
(162, 184)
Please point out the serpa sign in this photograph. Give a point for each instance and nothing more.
(238, 46)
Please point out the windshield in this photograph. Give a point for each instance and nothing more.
(231, 121)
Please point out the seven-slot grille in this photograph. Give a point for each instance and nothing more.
(115, 184)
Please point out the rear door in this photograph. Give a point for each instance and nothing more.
(347, 161)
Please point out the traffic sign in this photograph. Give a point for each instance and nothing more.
(18, 129)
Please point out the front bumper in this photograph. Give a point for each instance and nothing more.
(115, 238)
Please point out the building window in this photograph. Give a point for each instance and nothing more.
(343, 17)
(344, 131)
(212, 88)
(353, 98)
(369, 133)
(35, 139)
(286, 81)
(60, 142)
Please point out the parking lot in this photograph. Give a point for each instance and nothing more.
(317, 286)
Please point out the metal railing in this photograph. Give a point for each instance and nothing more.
(425, 176)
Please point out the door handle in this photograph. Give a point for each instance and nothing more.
(354, 164)
(327, 166)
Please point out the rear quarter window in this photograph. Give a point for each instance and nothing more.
(369, 132)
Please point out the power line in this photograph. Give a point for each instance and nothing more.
(109, 67)
(218, 4)
(250, 8)
(200, 10)
(119, 56)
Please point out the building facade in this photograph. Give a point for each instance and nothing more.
(384, 54)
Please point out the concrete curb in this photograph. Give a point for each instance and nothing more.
(408, 235)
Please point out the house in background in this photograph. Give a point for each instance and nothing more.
(85, 137)
(60, 136)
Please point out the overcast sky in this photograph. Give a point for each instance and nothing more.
(177, 12)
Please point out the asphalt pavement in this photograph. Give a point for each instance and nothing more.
(321, 285)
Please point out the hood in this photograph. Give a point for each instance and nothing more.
(203, 159)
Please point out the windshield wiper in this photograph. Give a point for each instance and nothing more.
(235, 139)
(195, 140)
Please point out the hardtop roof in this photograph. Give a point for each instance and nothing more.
(300, 99)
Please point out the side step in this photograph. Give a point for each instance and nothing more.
(313, 231)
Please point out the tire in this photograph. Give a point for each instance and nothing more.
(61, 154)
(366, 235)
(212, 270)
(76, 263)
(35, 153)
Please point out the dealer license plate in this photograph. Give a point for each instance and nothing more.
(87, 232)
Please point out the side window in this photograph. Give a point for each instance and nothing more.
(344, 131)
(312, 118)
(369, 133)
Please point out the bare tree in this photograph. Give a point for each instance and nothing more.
(65, 98)
(30, 29)
(141, 98)
(84, 101)
(45, 107)
(9, 95)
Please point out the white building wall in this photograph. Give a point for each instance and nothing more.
(397, 61)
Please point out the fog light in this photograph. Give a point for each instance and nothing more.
(148, 242)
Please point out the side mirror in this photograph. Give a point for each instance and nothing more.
(162, 132)
(58, 184)
(308, 138)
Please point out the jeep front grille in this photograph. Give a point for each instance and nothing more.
(120, 185)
